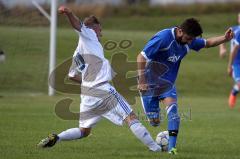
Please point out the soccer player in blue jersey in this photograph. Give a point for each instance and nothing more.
(234, 63)
(158, 65)
(234, 67)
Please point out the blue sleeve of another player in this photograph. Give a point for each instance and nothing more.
(153, 46)
(197, 44)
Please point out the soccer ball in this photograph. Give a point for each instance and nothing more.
(162, 140)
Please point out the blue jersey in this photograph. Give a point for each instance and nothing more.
(236, 41)
(168, 53)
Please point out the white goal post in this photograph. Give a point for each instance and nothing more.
(52, 46)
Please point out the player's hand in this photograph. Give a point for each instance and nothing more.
(142, 85)
(229, 34)
(63, 10)
(229, 70)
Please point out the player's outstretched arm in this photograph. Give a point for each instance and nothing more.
(232, 56)
(73, 19)
(215, 41)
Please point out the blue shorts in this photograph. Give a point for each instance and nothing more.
(151, 103)
(236, 72)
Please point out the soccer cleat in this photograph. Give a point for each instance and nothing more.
(48, 141)
(173, 151)
(232, 100)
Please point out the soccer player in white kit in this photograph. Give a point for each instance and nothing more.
(98, 98)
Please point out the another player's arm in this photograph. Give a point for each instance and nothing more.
(73, 19)
(215, 41)
(232, 56)
(141, 64)
(222, 50)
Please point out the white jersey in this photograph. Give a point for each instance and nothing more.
(98, 69)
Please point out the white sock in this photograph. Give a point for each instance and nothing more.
(70, 134)
(143, 135)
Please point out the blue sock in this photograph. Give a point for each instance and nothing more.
(173, 124)
(235, 89)
(172, 141)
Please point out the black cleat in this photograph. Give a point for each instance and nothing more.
(49, 141)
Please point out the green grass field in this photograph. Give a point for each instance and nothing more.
(212, 131)
(209, 129)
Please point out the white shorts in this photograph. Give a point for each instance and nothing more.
(103, 101)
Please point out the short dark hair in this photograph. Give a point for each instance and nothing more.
(191, 27)
(91, 20)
